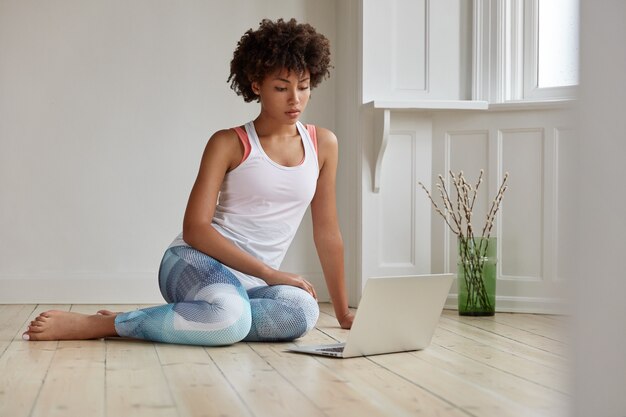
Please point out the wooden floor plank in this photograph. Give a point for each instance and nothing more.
(197, 385)
(332, 394)
(533, 323)
(462, 392)
(135, 383)
(517, 334)
(77, 366)
(486, 362)
(511, 363)
(335, 393)
(504, 344)
(559, 318)
(512, 387)
(24, 368)
(13, 322)
(386, 389)
(260, 386)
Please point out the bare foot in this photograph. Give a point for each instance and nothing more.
(65, 325)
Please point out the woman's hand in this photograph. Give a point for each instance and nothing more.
(346, 320)
(287, 278)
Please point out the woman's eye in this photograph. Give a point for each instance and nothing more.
(304, 87)
(280, 88)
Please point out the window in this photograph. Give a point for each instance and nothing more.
(551, 55)
(557, 64)
(525, 49)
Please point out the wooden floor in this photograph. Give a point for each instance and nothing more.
(507, 365)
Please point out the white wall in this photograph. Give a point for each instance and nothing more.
(105, 108)
(414, 49)
(596, 215)
(348, 84)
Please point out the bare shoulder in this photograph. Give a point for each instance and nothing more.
(224, 138)
(327, 147)
(325, 136)
(224, 145)
(326, 144)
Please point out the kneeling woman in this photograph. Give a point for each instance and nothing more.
(221, 275)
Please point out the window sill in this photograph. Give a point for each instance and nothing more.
(556, 104)
(453, 105)
(426, 105)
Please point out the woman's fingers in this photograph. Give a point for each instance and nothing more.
(313, 293)
(295, 280)
(308, 287)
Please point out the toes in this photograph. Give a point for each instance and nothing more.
(35, 328)
(50, 313)
(106, 313)
(30, 336)
(33, 332)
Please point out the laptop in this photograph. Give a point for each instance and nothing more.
(396, 314)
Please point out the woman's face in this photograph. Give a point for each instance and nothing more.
(284, 95)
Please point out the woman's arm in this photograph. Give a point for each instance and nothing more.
(326, 233)
(223, 153)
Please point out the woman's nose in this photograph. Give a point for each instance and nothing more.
(294, 97)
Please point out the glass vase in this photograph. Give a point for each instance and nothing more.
(476, 276)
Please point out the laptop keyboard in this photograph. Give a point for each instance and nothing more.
(332, 349)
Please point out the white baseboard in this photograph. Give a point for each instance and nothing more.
(509, 304)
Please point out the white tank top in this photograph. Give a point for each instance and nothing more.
(261, 203)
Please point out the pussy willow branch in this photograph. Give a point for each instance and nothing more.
(495, 206)
(458, 198)
(438, 210)
(445, 195)
(463, 189)
(461, 212)
(480, 180)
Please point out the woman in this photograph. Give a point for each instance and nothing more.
(221, 275)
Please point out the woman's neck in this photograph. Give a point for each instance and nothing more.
(268, 127)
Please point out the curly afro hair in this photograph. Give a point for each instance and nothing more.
(276, 45)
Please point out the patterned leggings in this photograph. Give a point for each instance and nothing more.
(209, 306)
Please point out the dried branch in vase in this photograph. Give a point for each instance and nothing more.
(458, 214)
(473, 249)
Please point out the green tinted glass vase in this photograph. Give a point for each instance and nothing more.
(476, 276)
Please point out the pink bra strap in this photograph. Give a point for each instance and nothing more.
(243, 137)
(313, 133)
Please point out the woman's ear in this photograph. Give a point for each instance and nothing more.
(256, 88)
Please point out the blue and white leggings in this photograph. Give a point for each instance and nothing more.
(208, 306)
